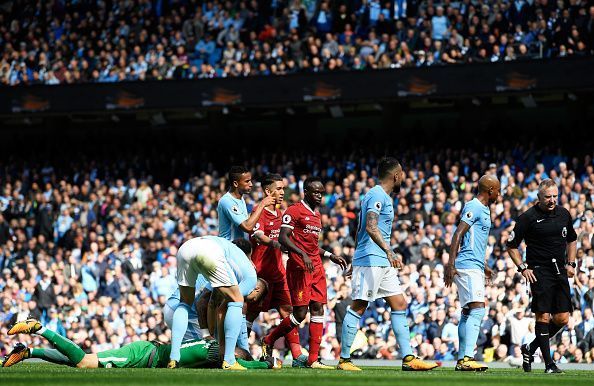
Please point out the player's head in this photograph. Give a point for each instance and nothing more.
(258, 292)
(548, 194)
(240, 178)
(490, 187)
(314, 190)
(244, 245)
(390, 171)
(273, 186)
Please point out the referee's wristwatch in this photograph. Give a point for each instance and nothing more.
(522, 267)
(572, 264)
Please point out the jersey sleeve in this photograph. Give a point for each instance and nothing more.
(373, 203)
(571, 235)
(258, 227)
(469, 214)
(517, 234)
(290, 218)
(232, 211)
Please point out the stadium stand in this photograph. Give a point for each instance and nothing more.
(87, 243)
(60, 42)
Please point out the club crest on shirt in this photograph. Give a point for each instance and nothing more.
(564, 232)
(286, 219)
(235, 209)
(378, 205)
(300, 295)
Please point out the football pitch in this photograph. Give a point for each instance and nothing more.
(35, 374)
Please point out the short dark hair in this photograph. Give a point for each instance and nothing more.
(269, 179)
(244, 245)
(385, 166)
(235, 173)
(310, 180)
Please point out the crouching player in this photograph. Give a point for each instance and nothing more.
(141, 354)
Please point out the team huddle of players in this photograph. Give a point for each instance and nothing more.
(226, 281)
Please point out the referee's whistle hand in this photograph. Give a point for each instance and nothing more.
(529, 275)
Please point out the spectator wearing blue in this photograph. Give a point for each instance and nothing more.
(439, 24)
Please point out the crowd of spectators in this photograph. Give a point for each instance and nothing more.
(62, 42)
(90, 250)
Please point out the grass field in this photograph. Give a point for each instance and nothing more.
(34, 374)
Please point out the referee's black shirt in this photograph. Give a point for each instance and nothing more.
(546, 235)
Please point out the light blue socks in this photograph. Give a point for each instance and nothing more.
(178, 329)
(402, 332)
(473, 327)
(233, 323)
(350, 326)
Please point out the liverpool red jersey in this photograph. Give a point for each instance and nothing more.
(268, 260)
(306, 226)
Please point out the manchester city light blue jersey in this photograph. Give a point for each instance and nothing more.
(241, 266)
(232, 212)
(474, 244)
(368, 253)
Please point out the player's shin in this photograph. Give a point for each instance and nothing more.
(462, 335)
(293, 341)
(64, 345)
(178, 330)
(402, 332)
(232, 329)
(316, 330)
(242, 340)
(51, 355)
(350, 327)
(473, 328)
(286, 326)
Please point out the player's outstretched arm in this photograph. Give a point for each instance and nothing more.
(333, 258)
(248, 225)
(450, 269)
(261, 238)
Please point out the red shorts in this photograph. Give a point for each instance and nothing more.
(278, 295)
(306, 287)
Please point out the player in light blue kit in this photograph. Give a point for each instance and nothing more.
(468, 270)
(229, 271)
(234, 220)
(375, 273)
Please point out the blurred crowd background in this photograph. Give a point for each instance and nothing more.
(88, 244)
(62, 42)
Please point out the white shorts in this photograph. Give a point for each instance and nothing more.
(203, 256)
(371, 283)
(471, 285)
(193, 331)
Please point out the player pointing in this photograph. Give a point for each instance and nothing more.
(466, 267)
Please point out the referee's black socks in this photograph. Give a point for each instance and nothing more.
(542, 340)
(553, 330)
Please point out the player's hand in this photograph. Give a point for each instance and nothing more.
(394, 261)
(529, 275)
(450, 272)
(349, 272)
(276, 245)
(308, 263)
(489, 274)
(267, 201)
(338, 260)
(570, 271)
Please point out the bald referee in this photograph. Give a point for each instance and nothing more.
(550, 261)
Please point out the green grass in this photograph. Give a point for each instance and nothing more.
(34, 374)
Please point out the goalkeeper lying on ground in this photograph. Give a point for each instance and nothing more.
(141, 354)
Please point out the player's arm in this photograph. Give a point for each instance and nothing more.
(450, 269)
(571, 247)
(202, 303)
(374, 233)
(286, 242)
(333, 258)
(513, 243)
(248, 225)
(261, 238)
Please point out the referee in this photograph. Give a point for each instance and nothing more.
(548, 232)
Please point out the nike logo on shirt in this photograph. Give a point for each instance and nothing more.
(542, 219)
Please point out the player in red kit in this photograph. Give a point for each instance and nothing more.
(306, 277)
(267, 258)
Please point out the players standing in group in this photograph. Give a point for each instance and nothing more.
(466, 267)
(267, 258)
(305, 273)
(375, 267)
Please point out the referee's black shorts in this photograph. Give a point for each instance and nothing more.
(550, 292)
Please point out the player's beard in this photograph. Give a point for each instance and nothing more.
(396, 188)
